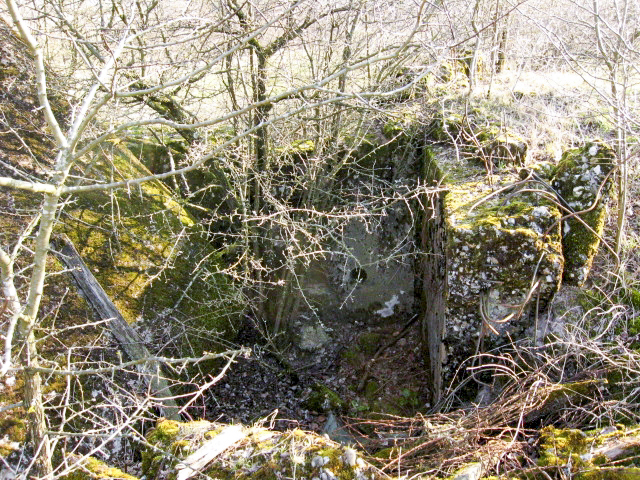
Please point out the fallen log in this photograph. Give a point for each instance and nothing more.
(128, 339)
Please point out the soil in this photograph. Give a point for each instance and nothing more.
(285, 381)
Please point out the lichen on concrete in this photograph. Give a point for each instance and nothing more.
(503, 251)
(582, 180)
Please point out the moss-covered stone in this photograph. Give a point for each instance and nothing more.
(263, 454)
(582, 180)
(610, 453)
(93, 469)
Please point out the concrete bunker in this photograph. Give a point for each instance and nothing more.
(476, 258)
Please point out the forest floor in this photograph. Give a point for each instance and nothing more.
(393, 382)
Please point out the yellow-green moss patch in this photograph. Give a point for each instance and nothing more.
(149, 254)
(92, 468)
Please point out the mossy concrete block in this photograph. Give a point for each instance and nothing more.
(508, 251)
(143, 246)
(263, 454)
(501, 257)
(582, 178)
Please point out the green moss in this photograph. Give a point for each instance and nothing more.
(371, 390)
(557, 446)
(165, 431)
(632, 297)
(369, 342)
(387, 453)
(634, 326)
(323, 399)
(14, 428)
(141, 244)
(564, 440)
(496, 145)
(575, 389)
(609, 473)
(409, 399)
(93, 468)
(351, 356)
(166, 438)
(335, 464)
(301, 147)
(444, 128)
(402, 121)
(590, 298)
(154, 155)
(221, 473)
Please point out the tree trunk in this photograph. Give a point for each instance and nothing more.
(502, 47)
(32, 382)
(36, 424)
